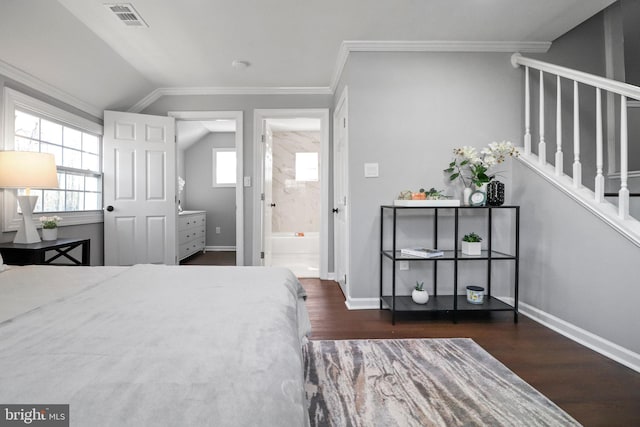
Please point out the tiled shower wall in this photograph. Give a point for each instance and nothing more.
(297, 202)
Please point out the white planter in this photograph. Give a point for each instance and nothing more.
(49, 234)
(471, 248)
(420, 297)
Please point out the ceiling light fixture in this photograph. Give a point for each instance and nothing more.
(240, 65)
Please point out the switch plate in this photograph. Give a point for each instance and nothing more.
(217, 230)
(371, 170)
(247, 181)
(404, 265)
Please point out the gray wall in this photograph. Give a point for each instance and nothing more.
(219, 202)
(583, 48)
(573, 265)
(90, 231)
(407, 111)
(245, 103)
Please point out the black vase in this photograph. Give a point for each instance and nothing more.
(495, 193)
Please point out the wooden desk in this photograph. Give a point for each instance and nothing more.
(35, 253)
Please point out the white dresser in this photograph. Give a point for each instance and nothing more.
(192, 233)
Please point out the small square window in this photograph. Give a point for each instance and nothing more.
(306, 166)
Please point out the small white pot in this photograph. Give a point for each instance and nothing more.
(420, 297)
(471, 248)
(49, 234)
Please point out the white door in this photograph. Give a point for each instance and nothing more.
(268, 203)
(340, 192)
(139, 189)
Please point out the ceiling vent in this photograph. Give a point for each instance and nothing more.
(127, 14)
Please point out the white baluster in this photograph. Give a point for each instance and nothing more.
(542, 145)
(623, 194)
(559, 157)
(599, 184)
(527, 113)
(577, 167)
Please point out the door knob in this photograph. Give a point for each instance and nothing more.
(109, 208)
(273, 205)
(335, 210)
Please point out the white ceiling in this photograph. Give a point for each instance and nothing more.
(80, 47)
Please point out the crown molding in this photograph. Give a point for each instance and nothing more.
(35, 83)
(430, 46)
(343, 54)
(208, 90)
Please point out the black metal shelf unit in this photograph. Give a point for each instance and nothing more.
(447, 303)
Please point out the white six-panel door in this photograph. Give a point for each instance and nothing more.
(139, 189)
(341, 193)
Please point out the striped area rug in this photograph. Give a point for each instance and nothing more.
(419, 382)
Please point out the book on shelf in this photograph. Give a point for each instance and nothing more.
(422, 252)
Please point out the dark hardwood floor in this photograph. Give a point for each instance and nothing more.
(593, 389)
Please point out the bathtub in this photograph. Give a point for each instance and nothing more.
(300, 254)
(290, 243)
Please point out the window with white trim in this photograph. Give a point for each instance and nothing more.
(224, 167)
(75, 142)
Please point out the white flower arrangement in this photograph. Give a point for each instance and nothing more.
(49, 222)
(477, 165)
(181, 183)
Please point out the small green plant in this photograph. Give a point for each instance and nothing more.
(49, 222)
(433, 194)
(419, 286)
(472, 237)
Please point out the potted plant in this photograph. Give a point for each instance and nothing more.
(50, 227)
(419, 294)
(471, 244)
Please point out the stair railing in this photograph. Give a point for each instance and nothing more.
(624, 90)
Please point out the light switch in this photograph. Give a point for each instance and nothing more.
(247, 181)
(371, 170)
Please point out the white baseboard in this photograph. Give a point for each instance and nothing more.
(219, 248)
(362, 303)
(331, 276)
(596, 343)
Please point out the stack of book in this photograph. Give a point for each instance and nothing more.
(422, 252)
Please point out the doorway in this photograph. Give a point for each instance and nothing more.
(292, 147)
(208, 143)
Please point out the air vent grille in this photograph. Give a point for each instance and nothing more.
(127, 14)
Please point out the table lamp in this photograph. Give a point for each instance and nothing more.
(27, 169)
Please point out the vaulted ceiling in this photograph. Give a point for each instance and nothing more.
(81, 48)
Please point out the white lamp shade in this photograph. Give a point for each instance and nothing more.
(27, 169)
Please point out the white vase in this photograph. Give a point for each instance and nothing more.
(49, 234)
(471, 248)
(420, 297)
(466, 193)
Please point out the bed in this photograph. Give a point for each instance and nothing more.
(155, 345)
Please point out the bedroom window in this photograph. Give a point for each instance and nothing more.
(75, 142)
(224, 167)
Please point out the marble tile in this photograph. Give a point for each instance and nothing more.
(297, 202)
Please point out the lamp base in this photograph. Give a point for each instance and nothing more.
(27, 232)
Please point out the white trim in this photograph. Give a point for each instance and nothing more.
(33, 82)
(12, 99)
(219, 248)
(362, 303)
(620, 88)
(239, 140)
(343, 53)
(606, 211)
(588, 339)
(262, 114)
(429, 46)
(331, 276)
(210, 90)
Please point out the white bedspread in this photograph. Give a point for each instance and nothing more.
(158, 345)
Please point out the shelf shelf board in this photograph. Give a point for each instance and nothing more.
(449, 255)
(445, 303)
